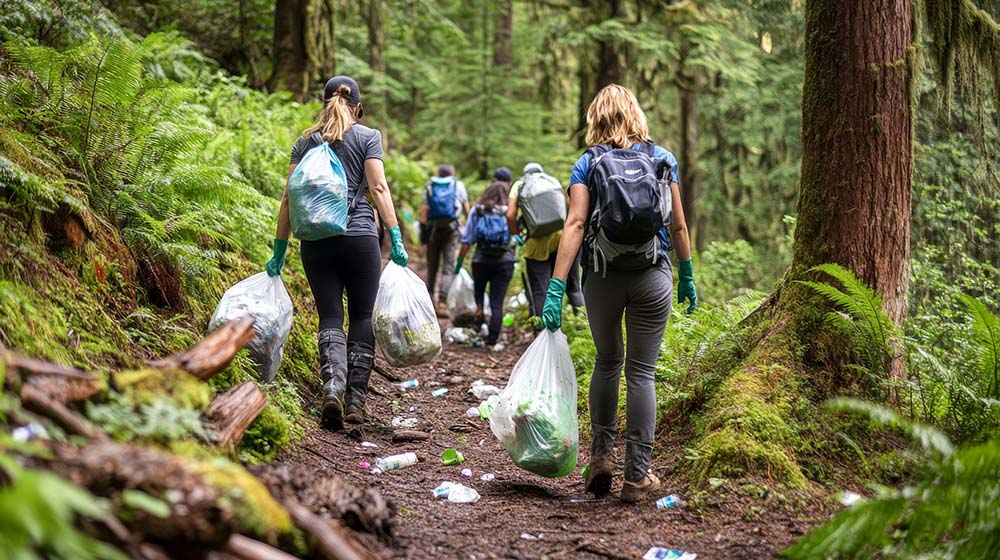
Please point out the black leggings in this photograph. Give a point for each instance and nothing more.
(338, 263)
(498, 276)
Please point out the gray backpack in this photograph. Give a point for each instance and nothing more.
(542, 203)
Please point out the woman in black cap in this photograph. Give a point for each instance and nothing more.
(493, 262)
(350, 262)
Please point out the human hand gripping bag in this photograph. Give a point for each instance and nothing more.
(535, 417)
(461, 301)
(406, 326)
(318, 195)
(265, 299)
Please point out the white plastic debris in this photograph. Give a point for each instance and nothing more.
(483, 391)
(368, 445)
(404, 423)
(472, 412)
(657, 553)
(487, 477)
(456, 493)
(466, 473)
(456, 335)
(530, 537)
(849, 498)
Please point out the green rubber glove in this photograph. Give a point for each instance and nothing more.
(552, 310)
(685, 285)
(518, 239)
(398, 253)
(277, 261)
(458, 265)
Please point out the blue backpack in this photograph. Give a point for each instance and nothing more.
(441, 195)
(492, 231)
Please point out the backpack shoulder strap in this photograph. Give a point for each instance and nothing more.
(648, 147)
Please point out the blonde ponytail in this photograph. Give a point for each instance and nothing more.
(615, 118)
(335, 118)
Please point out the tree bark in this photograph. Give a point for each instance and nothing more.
(291, 62)
(689, 163)
(503, 52)
(611, 69)
(234, 411)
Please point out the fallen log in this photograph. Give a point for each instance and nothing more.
(246, 548)
(214, 352)
(232, 412)
(326, 540)
(38, 401)
(34, 366)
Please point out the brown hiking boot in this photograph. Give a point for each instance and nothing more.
(442, 310)
(636, 491)
(598, 480)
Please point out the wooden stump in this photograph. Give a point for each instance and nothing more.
(233, 411)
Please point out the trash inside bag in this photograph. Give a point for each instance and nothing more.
(266, 300)
(317, 195)
(535, 416)
(406, 326)
(461, 300)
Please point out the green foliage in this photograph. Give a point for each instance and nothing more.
(948, 512)
(162, 420)
(728, 269)
(38, 511)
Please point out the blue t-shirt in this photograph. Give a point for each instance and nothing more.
(581, 169)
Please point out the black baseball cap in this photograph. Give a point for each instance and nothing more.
(334, 83)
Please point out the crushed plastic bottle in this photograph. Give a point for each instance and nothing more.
(466, 473)
(461, 494)
(404, 423)
(488, 477)
(409, 384)
(396, 462)
(472, 412)
(657, 553)
(442, 490)
(439, 392)
(670, 502)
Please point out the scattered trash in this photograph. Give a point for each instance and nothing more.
(442, 490)
(364, 465)
(483, 391)
(583, 500)
(849, 498)
(461, 301)
(530, 537)
(376, 470)
(517, 302)
(657, 553)
(368, 444)
(472, 412)
(409, 384)
(484, 330)
(466, 473)
(29, 432)
(461, 494)
(487, 406)
(434, 384)
(414, 408)
(404, 423)
(456, 335)
(396, 462)
(508, 320)
(499, 347)
(439, 392)
(671, 501)
(488, 477)
(478, 343)
(452, 457)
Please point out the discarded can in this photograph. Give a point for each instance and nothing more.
(466, 473)
(487, 477)
(439, 392)
(671, 501)
(410, 383)
(657, 553)
(452, 457)
(396, 462)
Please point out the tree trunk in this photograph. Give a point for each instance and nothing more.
(611, 69)
(379, 110)
(503, 51)
(689, 163)
(853, 210)
(233, 411)
(291, 64)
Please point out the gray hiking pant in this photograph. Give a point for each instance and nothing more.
(442, 248)
(644, 297)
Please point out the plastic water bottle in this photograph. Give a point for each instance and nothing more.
(442, 490)
(439, 392)
(396, 462)
(671, 501)
(410, 383)
(461, 494)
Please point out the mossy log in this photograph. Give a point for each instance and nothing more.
(38, 401)
(233, 411)
(327, 539)
(213, 354)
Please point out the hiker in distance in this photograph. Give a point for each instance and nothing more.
(350, 261)
(445, 198)
(493, 262)
(537, 212)
(621, 193)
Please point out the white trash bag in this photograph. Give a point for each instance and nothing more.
(535, 416)
(461, 301)
(265, 299)
(406, 326)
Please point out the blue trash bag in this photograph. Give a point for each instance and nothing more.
(318, 195)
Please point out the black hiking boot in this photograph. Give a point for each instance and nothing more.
(360, 358)
(333, 371)
(598, 480)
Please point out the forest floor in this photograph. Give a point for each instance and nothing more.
(522, 515)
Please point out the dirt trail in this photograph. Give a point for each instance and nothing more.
(521, 515)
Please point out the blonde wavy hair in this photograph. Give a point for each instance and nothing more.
(335, 118)
(615, 118)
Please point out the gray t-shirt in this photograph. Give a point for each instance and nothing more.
(360, 143)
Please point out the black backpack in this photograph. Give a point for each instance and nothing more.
(630, 202)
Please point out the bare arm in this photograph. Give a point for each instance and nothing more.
(423, 213)
(512, 217)
(678, 225)
(284, 224)
(379, 187)
(463, 251)
(572, 237)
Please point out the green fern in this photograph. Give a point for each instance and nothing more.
(986, 331)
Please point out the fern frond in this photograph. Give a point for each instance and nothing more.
(930, 439)
(986, 331)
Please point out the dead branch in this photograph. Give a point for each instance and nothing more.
(34, 366)
(214, 352)
(246, 548)
(326, 539)
(234, 411)
(38, 401)
(387, 373)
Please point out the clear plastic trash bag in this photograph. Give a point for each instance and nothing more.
(266, 300)
(318, 195)
(461, 301)
(406, 326)
(535, 416)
